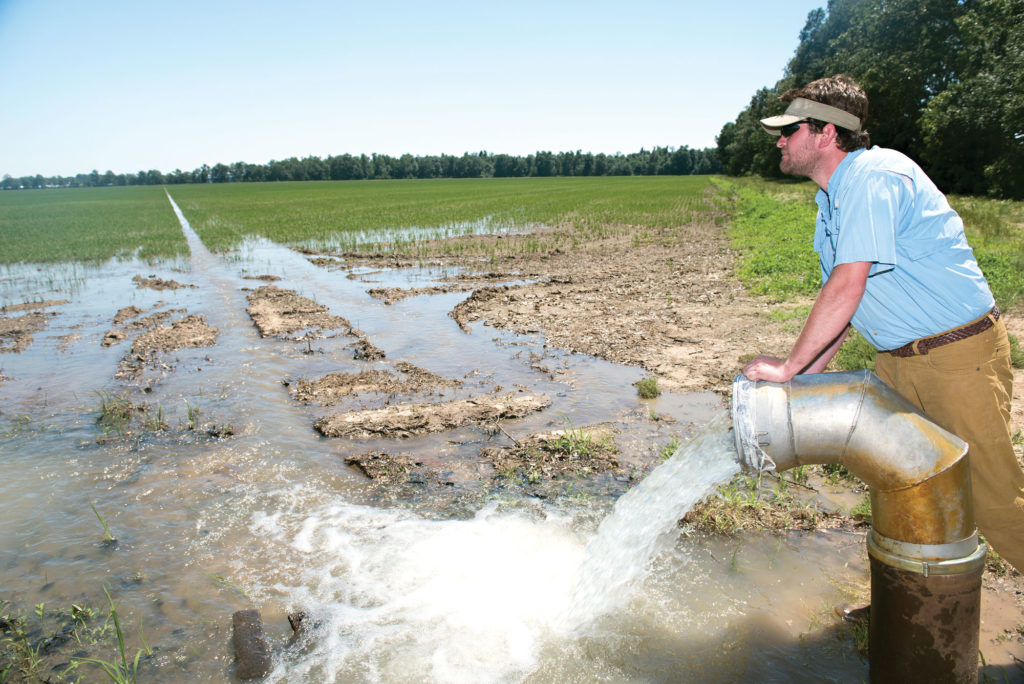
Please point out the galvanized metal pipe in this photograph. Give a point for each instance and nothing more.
(926, 562)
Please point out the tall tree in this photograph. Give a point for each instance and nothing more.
(977, 122)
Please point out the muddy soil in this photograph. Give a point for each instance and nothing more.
(333, 387)
(153, 340)
(155, 283)
(557, 454)
(405, 420)
(281, 313)
(16, 332)
(390, 295)
(670, 305)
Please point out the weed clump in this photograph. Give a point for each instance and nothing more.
(744, 505)
(573, 452)
(1016, 352)
(648, 388)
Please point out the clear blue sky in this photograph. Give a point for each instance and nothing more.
(151, 84)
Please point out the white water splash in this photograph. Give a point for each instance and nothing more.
(400, 598)
(644, 522)
(397, 598)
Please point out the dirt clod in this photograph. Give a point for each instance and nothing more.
(563, 453)
(404, 420)
(385, 468)
(190, 331)
(155, 283)
(16, 332)
(390, 295)
(333, 387)
(278, 313)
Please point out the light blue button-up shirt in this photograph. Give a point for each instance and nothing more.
(924, 279)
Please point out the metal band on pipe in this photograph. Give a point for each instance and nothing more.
(956, 558)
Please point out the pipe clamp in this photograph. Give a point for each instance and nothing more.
(955, 558)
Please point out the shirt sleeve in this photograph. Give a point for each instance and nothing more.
(870, 215)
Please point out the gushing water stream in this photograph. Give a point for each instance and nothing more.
(400, 598)
(644, 521)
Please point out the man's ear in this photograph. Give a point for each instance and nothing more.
(828, 135)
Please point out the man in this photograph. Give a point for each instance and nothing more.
(896, 264)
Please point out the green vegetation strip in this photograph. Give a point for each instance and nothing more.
(87, 225)
(384, 214)
(773, 230)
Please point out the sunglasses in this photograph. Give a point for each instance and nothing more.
(792, 128)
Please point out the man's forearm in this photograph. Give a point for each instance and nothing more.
(820, 363)
(824, 330)
(830, 317)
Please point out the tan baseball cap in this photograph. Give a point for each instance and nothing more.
(801, 108)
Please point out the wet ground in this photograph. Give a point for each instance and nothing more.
(267, 429)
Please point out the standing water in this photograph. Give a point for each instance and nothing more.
(469, 580)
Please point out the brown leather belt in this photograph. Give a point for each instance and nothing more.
(922, 345)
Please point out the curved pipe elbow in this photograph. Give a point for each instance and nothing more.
(920, 484)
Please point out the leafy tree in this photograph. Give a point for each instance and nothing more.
(743, 146)
(220, 173)
(945, 80)
(977, 122)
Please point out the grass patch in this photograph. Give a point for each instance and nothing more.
(773, 233)
(862, 511)
(35, 645)
(995, 229)
(666, 452)
(747, 504)
(648, 388)
(855, 354)
(1016, 352)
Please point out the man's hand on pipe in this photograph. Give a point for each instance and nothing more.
(768, 368)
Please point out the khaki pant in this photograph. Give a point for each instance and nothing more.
(966, 387)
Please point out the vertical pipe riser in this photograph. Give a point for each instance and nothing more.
(924, 629)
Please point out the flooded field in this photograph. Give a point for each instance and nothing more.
(171, 436)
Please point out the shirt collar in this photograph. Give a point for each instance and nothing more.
(836, 179)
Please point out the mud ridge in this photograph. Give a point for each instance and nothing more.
(155, 283)
(17, 332)
(390, 295)
(333, 387)
(405, 420)
(278, 313)
(190, 331)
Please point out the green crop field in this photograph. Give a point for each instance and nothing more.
(770, 223)
(351, 214)
(87, 224)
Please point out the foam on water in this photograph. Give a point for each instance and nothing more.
(400, 598)
(397, 597)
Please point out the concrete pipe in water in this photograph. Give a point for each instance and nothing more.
(926, 561)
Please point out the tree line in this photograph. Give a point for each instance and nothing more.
(945, 83)
(658, 161)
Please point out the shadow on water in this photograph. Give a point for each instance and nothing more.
(462, 579)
